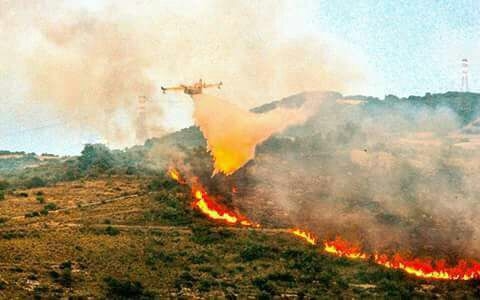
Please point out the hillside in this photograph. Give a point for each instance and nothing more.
(134, 238)
(383, 174)
(466, 107)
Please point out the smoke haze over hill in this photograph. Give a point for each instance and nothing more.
(88, 66)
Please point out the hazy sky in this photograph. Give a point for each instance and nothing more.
(414, 46)
(397, 47)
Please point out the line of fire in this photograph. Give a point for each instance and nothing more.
(423, 268)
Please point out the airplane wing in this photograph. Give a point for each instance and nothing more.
(173, 88)
(217, 85)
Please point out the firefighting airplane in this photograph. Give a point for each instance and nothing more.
(196, 88)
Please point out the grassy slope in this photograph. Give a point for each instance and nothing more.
(157, 240)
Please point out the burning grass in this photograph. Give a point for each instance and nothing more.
(211, 208)
(423, 268)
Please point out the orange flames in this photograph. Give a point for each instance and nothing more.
(215, 211)
(209, 207)
(340, 247)
(423, 268)
(307, 236)
(175, 175)
(427, 269)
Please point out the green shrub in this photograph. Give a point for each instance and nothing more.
(162, 256)
(255, 251)
(264, 285)
(205, 285)
(50, 206)
(38, 291)
(35, 182)
(2, 195)
(125, 289)
(40, 199)
(185, 280)
(32, 214)
(4, 185)
(203, 234)
(65, 278)
(112, 231)
(131, 170)
(66, 265)
(12, 235)
(161, 183)
(198, 259)
(281, 276)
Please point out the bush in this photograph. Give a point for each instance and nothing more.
(164, 257)
(35, 182)
(4, 185)
(125, 289)
(205, 285)
(161, 183)
(202, 234)
(263, 285)
(50, 206)
(2, 195)
(185, 280)
(65, 277)
(131, 170)
(255, 251)
(12, 235)
(32, 214)
(198, 259)
(40, 199)
(112, 231)
(281, 276)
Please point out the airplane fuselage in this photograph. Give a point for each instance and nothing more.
(194, 89)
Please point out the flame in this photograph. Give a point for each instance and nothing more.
(215, 211)
(307, 236)
(175, 175)
(212, 209)
(343, 248)
(423, 268)
(209, 207)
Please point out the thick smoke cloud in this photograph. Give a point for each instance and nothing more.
(391, 178)
(90, 64)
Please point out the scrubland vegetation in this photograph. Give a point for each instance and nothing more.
(110, 224)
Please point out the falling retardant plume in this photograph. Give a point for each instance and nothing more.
(233, 133)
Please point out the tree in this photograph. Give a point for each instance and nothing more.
(96, 156)
(35, 182)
